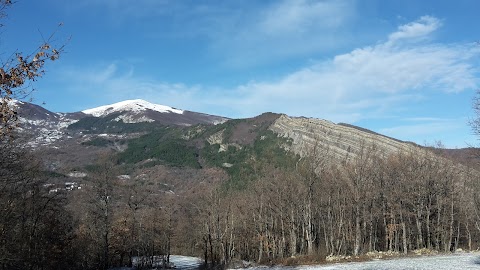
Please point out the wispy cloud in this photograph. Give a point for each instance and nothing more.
(283, 30)
(428, 130)
(116, 81)
(427, 119)
(421, 28)
(420, 130)
(305, 16)
(365, 83)
(238, 35)
(373, 77)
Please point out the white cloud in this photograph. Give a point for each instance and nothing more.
(428, 126)
(424, 119)
(369, 79)
(302, 16)
(453, 133)
(282, 30)
(365, 83)
(385, 68)
(114, 82)
(420, 28)
(238, 34)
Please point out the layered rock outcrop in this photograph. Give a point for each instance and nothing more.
(338, 140)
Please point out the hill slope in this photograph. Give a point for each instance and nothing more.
(342, 141)
(142, 134)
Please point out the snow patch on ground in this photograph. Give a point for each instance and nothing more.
(77, 174)
(13, 102)
(49, 131)
(136, 105)
(130, 119)
(443, 262)
(179, 262)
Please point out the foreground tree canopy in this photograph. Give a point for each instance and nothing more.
(277, 208)
(16, 73)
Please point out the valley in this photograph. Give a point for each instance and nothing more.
(144, 179)
(286, 134)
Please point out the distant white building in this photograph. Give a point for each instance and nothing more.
(71, 186)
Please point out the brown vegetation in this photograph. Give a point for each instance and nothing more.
(17, 71)
(394, 202)
(317, 208)
(398, 203)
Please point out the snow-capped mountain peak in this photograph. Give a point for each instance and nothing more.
(44, 127)
(135, 106)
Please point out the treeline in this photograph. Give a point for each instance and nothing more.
(106, 224)
(36, 230)
(120, 218)
(370, 202)
(314, 207)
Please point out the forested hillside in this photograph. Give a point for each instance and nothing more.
(238, 191)
(238, 134)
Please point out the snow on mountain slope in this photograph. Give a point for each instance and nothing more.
(43, 127)
(135, 106)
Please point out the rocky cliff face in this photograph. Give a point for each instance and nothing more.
(68, 138)
(339, 140)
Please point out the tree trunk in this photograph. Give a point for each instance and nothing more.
(427, 223)
(293, 235)
(309, 228)
(418, 221)
(358, 231)
(404, 234)
(448, 245)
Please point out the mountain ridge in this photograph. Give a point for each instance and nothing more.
(71, 143)
(134, 105)
(45, 127)
(133, 111)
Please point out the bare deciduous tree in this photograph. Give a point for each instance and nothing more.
(35, 229)
(17, 71)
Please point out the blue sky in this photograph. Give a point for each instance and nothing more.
(407, 69)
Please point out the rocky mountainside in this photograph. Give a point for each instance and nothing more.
(44, 127)
(339, 140)
(161, 164)
(141, 135)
